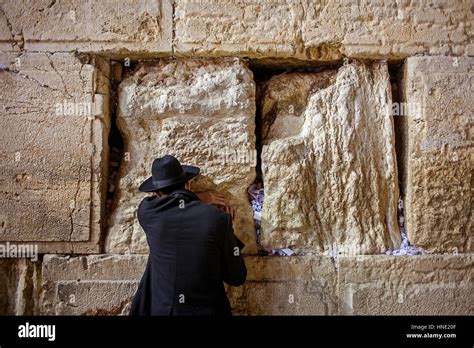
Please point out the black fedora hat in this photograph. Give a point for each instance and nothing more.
(167, 171)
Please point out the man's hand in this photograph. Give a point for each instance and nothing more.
(216, 198)
(212, 197)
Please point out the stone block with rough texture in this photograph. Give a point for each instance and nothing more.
(53, 147)
(125, 29)
(303, 285)
(439, 152)
(202, 112)
(90, 285)
(305, 30)
(328, 161)
(328, 30)
(411, 285)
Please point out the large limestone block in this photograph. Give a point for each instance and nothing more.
(438, 158)
(90, 285)
(53, 146)
(128, 29)
(411, 285)
(202, 112)
(319, 30)
(328, 161)
(237, 28)
(303, 285)
(390, 29)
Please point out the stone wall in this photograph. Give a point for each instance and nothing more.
(299, 93)
(305, 285)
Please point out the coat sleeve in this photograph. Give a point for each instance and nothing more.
(234, 270)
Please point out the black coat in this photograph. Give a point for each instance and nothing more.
(193, 249)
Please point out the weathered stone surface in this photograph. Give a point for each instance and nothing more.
(137, 27)
(328, 161)
(303, 285)
(19, 287)
(412, 285)
(90, 285)
(106, 284)
(239, 28)
(324, 31)
(202, 112)
(53, 142)
(438, 181)
(259, 29)
(312, 285)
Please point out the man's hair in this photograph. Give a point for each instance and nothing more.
(172, 188)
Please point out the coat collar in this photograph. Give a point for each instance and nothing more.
(153, 204)
(184, 193)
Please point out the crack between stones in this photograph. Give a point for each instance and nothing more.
(82, 79)
(173, 28)
(10, 28)
(71, 214)
(21, 45)
(52, 3)
(34, 80)
(60, 76)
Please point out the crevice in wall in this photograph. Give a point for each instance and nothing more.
(116, 150)
(399, 121)
(173, 28)
(400, 125)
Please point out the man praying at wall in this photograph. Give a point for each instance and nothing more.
(193, 249)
